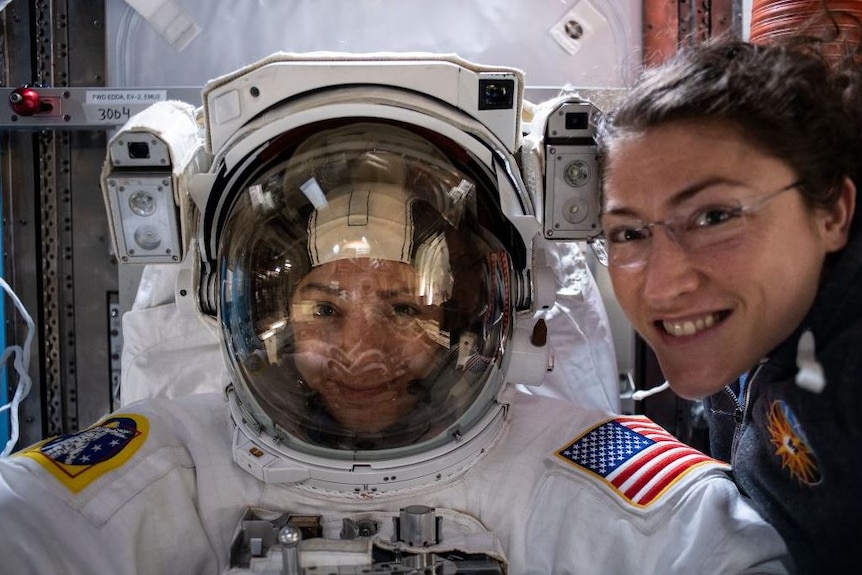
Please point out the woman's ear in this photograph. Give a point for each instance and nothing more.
(836, 220)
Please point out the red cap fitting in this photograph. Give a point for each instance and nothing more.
(25, 101)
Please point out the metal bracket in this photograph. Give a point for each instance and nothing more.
(83, 108)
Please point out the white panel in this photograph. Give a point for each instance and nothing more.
(746, 19)
(525, 34)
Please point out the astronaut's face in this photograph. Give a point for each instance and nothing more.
(711, 309)
(363, 334)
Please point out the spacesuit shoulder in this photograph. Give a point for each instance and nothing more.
(627, 495)
(635, 459)
(121, 453)
(124, 484)
(630, 458)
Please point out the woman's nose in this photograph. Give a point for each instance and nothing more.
(367, 328)
(668, 271)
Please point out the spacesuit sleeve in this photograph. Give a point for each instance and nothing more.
(702, 527)
(745, 542)
(167, 353)
(112, 498)
(43, 535)
(626, 496)
(585, 369)
(610, 494)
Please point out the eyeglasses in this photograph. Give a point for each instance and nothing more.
(712, 226)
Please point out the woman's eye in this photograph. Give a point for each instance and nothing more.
(713, 217)
(406, 310)
(625, 234)
(324, 310)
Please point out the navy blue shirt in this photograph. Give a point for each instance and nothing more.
(796, 453)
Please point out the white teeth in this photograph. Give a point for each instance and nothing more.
(689, 327)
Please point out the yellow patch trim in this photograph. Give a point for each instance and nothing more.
(78, 459)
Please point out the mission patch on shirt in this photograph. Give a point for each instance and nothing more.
(791, 444)
(638, 459)
(78, 459)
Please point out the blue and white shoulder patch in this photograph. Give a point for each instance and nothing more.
(78, 459)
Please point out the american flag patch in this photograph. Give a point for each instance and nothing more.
(637, 458)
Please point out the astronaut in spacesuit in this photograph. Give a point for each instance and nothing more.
(367, 293)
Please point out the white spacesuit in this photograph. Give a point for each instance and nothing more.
(373, 259)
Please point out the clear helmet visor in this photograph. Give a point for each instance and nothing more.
(364, 301)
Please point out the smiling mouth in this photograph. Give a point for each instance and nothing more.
(350, 393)
(680, 328)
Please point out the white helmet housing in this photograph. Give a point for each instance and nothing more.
(360, 229)
(364, 293)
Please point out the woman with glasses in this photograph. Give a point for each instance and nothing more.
(734, 247)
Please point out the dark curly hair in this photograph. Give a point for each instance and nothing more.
(788, 98)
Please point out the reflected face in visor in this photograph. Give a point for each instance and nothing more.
(364, 305)
(364, 336)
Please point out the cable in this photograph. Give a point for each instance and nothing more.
(21, 364)
(642, 394)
